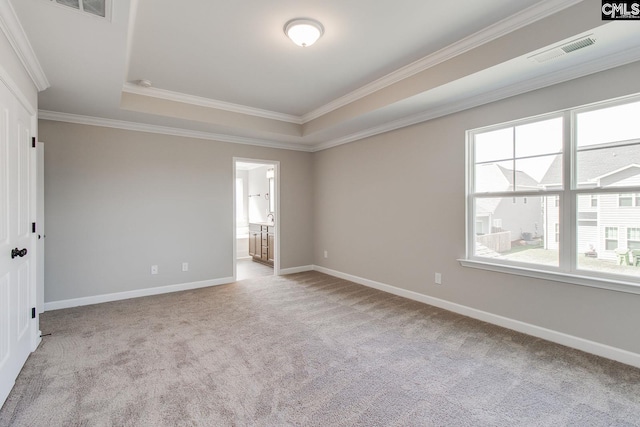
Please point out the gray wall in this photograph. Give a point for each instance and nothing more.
(391, 208)
(120, 201)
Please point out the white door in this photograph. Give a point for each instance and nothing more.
(16, 205)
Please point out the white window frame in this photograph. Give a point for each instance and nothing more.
(567, 271)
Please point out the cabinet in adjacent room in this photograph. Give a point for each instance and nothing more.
(262, 242)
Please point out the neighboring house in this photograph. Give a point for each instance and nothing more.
(499, 215)
(606, 222)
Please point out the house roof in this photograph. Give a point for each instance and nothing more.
(523, 180)
(594, 164)
(486, 205)
(494, 177)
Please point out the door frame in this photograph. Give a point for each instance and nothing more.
(36, 335)
(276, 170)
(40, 228)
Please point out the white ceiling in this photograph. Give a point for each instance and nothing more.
(225, 70)
(237, 51)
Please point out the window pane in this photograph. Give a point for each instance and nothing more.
(633, 238)
(544, 137)
(495, 145)
(494, 177)
(536, 172)
(240, 199)
(609, 167)
(72, 3)
(607, 125)
(606, 242)
(610, 238)
(272, 192)
(95, 7)
(625, 200)
(527, 231)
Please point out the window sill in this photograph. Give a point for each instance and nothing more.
(575, 279)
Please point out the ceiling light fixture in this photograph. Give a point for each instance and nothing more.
(303, 32)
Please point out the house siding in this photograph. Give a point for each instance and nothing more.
(612, 215)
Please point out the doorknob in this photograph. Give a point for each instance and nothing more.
(18, 252)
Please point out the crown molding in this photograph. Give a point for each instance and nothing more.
(486, 35)
(209, 103)
(11, 27)
(14, 88)
(495, 31)
(575, 72)
(164, 130)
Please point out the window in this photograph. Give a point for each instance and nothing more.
(272, 192)
(611, 238)
(633, 238)
(240, 215)
(509, 164)
(544, 177)
(271, 176)
(625, 200)
(628, 200)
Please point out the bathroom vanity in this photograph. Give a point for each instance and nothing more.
(261, 242)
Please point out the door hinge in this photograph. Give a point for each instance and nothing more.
(33, 312)
(33, 227)
(33, 141)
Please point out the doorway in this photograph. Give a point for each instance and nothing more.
(256, 219)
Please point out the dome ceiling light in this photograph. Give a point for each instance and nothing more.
(303, 31)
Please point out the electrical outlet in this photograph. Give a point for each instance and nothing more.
(154, 269)
(438, 279)
(326, 254)
(185, 266)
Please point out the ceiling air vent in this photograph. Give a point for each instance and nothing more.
(566, 48)
(100, 8)
(578, 44)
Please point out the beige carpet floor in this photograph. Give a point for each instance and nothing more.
(306, 350)
(249, 269)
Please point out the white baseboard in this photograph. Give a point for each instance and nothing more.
(117, 296)
(603, 350)
(5, 389)
(294, 270)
